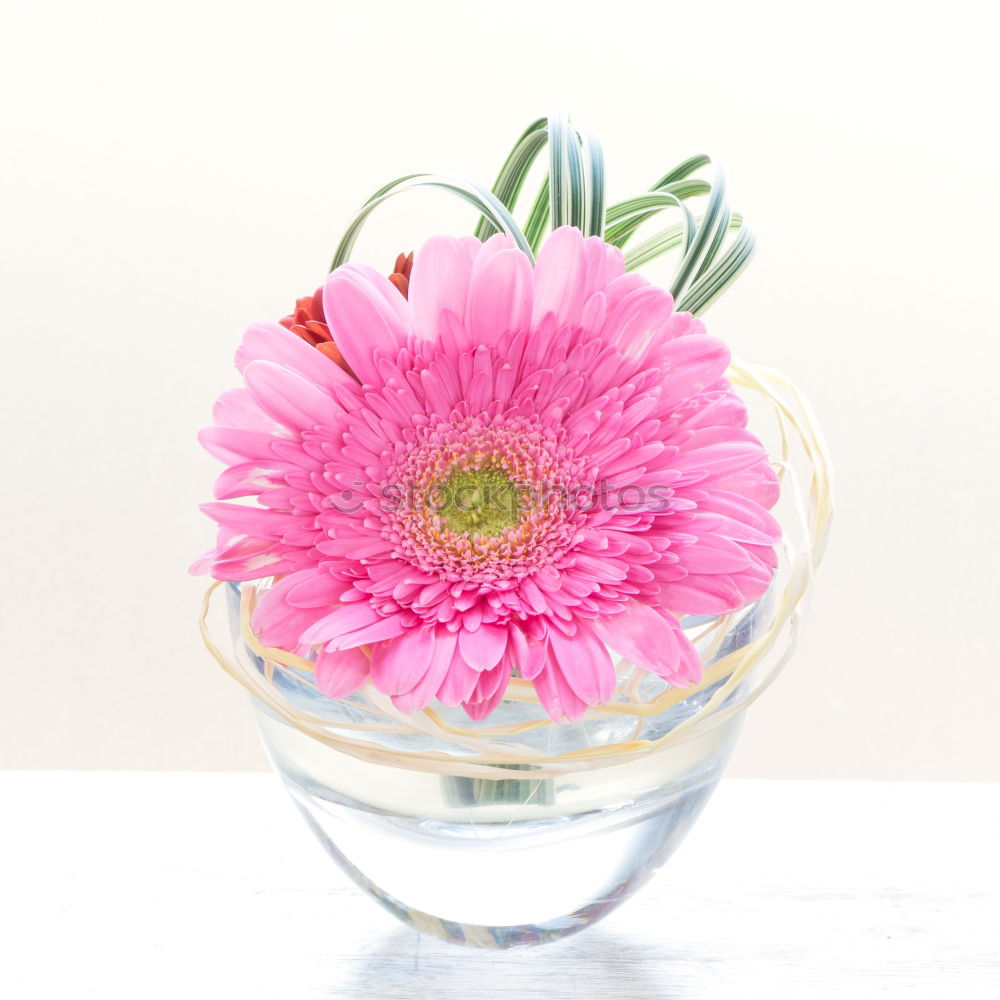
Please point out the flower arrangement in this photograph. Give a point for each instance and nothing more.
(512, 478)
(484, 465)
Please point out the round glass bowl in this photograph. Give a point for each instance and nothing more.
(501, 853)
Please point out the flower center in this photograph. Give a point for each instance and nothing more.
(480, 502)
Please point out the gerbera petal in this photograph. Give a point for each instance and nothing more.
(604, 263)
(277, 622)
(560, 277)
(527, 654)
(375, 281)
(459, 681)
(755, 481)
(342, 621)
(585, 664)
(399, 665)
(711, 409)
(653, 640)
(441, 655)
(483, 648)
(439, 282)
(235, 444)
(638, 320)
(738, 518)
(618, 289)
(318, 589)
(288, 397)
(341, 672)
(272, 342)
(386, 627)
(500, 296)
(691, 364)
(247, 479)
(713, 554)
(556, 696)
(709, 594)
(236, 408)
(489, 692)
(362, 321)
(255, 521)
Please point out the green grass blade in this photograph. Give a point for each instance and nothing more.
(514, 172)
(566, 179)
(715, 241)
(575, 179)
(695, 254)
(558, 182)
(682, 170)
(573, 193)
(593, 170)
(484, 201)
(624, 217)
(667, 240)
(535, 227)
(722, 274)
(663, 242)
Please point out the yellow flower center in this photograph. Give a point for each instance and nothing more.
(478, 502)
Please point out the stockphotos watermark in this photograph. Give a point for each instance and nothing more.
(508, 499)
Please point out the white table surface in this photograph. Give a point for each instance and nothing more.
(148, 885)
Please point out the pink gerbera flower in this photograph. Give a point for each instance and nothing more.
(529, 465)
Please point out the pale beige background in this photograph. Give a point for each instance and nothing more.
(174, 171)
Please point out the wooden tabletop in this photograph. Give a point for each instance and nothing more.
(148, 885)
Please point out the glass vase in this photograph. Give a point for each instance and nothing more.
(503, 854)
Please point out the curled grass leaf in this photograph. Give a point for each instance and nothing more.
(480, 198)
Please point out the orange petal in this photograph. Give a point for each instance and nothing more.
(401, 282)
